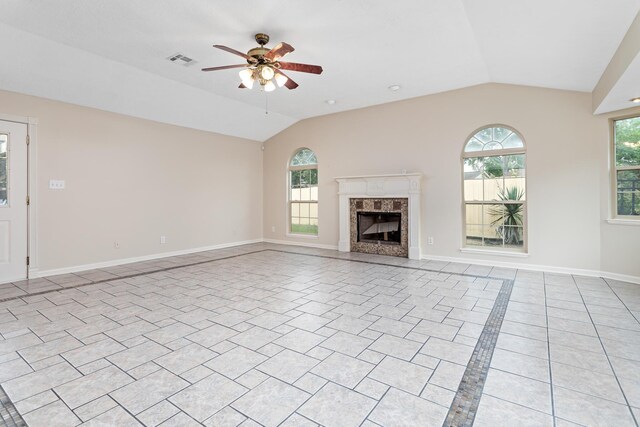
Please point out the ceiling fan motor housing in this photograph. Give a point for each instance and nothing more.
(262, 39)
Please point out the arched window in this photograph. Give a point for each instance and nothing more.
(494, 189)
(303, 193)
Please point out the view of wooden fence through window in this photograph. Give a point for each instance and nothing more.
(494, 189)
(303, 192)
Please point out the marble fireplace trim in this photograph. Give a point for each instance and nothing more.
(380, 186)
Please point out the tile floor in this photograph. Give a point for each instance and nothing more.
(274, 335)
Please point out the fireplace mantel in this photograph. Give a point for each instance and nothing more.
(381, 186)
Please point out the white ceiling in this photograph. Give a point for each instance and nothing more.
(112, 54)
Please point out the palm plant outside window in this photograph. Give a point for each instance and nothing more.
(495, 189)
(303, 193)
(626, 135)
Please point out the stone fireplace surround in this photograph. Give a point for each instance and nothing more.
(379, 205)
(394, 186)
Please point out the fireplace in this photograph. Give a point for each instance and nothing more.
(374, 205)
(381, 228)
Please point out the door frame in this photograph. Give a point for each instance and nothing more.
(32, 243)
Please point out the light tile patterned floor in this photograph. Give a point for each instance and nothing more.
(267, 336)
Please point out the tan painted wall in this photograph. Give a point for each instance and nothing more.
(567, 168)
(131, 180)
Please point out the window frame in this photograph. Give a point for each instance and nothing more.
(291, 168)
(524, 250)
(613, 174)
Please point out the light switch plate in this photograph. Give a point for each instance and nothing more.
(56, 184)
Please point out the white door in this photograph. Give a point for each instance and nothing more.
(13, 201)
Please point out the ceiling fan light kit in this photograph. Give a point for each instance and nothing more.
(264, 66)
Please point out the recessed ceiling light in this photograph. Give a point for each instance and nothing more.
(330, 101)
(635, 100)
(394, 88)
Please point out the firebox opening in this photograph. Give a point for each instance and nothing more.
(379, 227)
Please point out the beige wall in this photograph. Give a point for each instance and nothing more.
(130, 181)
(567, 167)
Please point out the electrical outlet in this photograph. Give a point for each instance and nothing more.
(163, 240)
(116, 245)
(429, 240)
(273, 228)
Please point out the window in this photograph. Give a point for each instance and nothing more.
(494, 190)
(626, 136)
(3, 169)
(303, 193)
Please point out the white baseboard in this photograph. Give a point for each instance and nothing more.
(534, 267)
(112, 263)
(304, 244)
(35, 273)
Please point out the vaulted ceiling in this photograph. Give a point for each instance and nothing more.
(113, 54)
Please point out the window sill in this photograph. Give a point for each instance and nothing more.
(623, 221)
(494, 252)
(304, 236)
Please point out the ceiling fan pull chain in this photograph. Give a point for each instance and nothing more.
(266, 103)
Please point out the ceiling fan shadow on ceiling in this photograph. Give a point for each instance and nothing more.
(264, 65)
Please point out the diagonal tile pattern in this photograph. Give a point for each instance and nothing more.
(270, 335)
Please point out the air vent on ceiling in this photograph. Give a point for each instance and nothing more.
(179, 58)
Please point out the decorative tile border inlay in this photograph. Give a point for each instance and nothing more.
(9, 416)
(465, 404)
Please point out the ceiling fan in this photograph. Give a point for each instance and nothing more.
(264, 65)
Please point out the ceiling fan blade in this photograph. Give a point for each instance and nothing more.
(303, 68)
(235, 52)
(279, 51)
(242, 86)
(224, 67)
(289, 84)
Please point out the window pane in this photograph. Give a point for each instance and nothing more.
(295, 194)
(500, 134)
(305, 194)
(491, 236)
(509, 214)
(313, 210)
(493, 146)
(627, 140)
(473, 179)
(513, 141)
(314, 193)
(628, 192)
(513, 236)
(304, 157)
(304, 209)
(473, 214)
(313, 176)
(495, 138)
(4, 140)
(474, 235)
(474, 145)
(485, 135)
(295, 209)
(295, 179)
(492, 189)
(494, 166)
